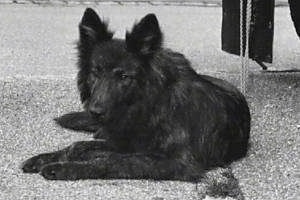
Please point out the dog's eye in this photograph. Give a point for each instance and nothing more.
(124, 76)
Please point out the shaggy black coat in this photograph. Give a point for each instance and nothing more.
(153, 116)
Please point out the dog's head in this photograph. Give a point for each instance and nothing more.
(112, 71)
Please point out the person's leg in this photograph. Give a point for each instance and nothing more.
(295, 14)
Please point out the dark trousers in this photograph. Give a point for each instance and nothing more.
(295, 14)
(261, 28)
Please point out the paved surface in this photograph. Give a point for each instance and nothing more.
(37, 81)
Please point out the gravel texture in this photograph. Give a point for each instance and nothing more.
(37, 81)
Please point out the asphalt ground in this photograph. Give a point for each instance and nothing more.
(37, 81)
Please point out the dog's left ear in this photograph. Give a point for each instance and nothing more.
(145, 37)
(92, 29)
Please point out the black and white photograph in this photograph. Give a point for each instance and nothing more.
(150, 99)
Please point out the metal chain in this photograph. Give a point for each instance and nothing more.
(241, 44)
(244, 58)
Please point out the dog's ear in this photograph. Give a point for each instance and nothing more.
(92, 29)
(145, 37)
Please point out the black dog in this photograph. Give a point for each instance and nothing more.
(157, 118)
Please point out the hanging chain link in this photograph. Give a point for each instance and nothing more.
(244, 57)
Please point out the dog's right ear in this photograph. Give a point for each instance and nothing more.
(146, 37)
(92, 29)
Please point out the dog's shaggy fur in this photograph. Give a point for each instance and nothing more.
(157, 118)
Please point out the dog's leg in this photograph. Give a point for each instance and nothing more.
(78, 151)
(79, 121)
(34, 164)
(124, 166)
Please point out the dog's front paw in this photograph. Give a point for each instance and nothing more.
(60, 171)
(34, 164)
(72, 171)
(53, 171)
